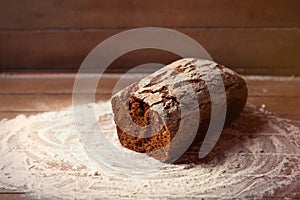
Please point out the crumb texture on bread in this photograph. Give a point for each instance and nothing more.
(152, 108)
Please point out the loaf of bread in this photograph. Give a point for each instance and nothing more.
(148, 114)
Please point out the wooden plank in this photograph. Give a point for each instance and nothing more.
(15, 197)
(277, 71)
(63, 84)
(273, 86)
(248, 51)
(288, 106)
(60, 83)
(282, 94)
(57, 14)
(13, 114)
(36, 85)
(280, 105)
(5, 191)
(38, 102)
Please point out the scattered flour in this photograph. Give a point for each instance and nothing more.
(258, 156)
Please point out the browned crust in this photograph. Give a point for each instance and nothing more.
(138, 109)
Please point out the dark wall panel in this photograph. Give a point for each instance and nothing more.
(250, 36)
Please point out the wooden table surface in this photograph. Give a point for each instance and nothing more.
(31, 94)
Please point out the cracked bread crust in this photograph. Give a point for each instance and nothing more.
(155, 103)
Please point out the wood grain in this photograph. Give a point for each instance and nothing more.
(62, 84)
(46, 93)
(70, 14)
(245, 50)
(287, 106)
(273, 86)
(251, 36)
(32, 94)
(13, 114)
(15, 196)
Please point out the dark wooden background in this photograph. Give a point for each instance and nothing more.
(251, 36)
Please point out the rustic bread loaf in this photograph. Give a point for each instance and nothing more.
(148, 113)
